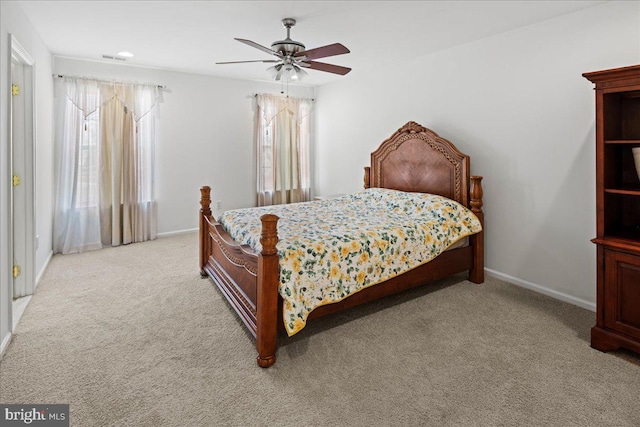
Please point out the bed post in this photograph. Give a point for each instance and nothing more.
(205, 212)
(367, 177)
(476, 274)
(267, 296)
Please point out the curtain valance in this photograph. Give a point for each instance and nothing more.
(270, 106)
(89, 95)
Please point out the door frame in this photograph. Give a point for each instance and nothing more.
(21, 55)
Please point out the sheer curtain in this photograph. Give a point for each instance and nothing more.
(105, 150)
(282, 129)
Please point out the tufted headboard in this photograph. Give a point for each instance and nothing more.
(416, 159)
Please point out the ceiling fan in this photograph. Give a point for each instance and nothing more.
(293, 58)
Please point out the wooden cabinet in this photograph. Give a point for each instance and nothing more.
(622, 293)
(618, 208)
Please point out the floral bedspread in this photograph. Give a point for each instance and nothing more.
(330, 249)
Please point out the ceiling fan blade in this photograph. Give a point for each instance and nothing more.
(257, 46)
(329, 68)
(324, 51)
(241, 62)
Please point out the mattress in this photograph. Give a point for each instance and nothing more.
(330, 249)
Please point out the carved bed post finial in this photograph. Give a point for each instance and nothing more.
(205, 200)
(205, 213)
(367, 177)
(476, 194)
(267, 295)
(269, 236)
(476, 274)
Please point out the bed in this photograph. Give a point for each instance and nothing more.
(413, 160)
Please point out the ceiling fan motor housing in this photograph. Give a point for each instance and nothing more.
(287, 46)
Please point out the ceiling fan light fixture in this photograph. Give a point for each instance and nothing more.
(292, 72)
(288, 71)
(300, 73)
(274, 71)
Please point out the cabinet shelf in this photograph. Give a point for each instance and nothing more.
(623, 141)
(630, 235)
(620, 243)
(625, 191)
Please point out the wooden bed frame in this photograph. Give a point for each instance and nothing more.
(413, 159)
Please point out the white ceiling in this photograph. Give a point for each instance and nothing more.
(191, 36)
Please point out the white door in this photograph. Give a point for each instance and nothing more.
(22, 147)
(18, 175)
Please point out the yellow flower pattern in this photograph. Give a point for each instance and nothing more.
(330, 249)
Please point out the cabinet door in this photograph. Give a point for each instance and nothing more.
(622, 293)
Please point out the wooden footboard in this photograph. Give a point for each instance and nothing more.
(248, 279)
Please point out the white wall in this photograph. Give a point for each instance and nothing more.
(205, 136)
(518, 105)
(13, 21)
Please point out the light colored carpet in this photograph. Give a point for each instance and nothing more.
(133, 336)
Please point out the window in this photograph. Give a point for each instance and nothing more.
(105, 139)
(283, 139)
(267, 160)
(88, 164)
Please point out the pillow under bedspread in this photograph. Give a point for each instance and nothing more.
(330, 249)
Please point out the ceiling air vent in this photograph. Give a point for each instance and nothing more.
(115, 58)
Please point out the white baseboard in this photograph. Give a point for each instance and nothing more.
(43, 269)
(5, 344)
(175, 233)
(542, 289)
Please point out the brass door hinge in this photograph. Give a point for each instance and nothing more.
(15, 90)
(16, 271)
(15, 180)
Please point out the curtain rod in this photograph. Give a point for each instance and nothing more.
(311, 99)
(59, 76)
